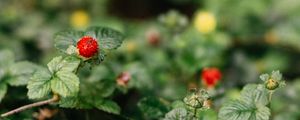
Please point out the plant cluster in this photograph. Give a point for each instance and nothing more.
(60, 80)
(201, 61)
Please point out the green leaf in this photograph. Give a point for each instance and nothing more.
(282, 84)
(106, 88)
(107, 106)
(255, 94)
(6, 58)
(97, 59)
(54, 64)
(72, 50)
(21, 72)
(152, 107)
(103, 88)
(240, 110)
(101, 81)
(177, 114)
(140, 76)
(3, 90)
(276, 75)
(39, 84)
(88, 102)
(107, 38)
(264, 77)
(65, 84)
(74, 102)
(69, 64)
(99, 73)
(207, 114)
(63, 40)
(3, 73)
(178, 104)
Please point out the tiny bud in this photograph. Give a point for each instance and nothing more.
(207, 104)
(153, 37)
(192, 86)
(45, 113)
(123, 79)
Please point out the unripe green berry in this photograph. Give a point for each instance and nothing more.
(193, 101)
(271, 84)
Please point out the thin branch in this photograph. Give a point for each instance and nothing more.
(54, 99)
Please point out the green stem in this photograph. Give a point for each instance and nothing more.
(270, 98)
(77, 69)
(270, 95)
(195, 112)
(81, 64)
(269, 104)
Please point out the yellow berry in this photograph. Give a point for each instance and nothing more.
(271, 37)
(130, 46)
(205, 22)
(79, 19)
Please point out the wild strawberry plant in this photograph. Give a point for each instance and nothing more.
(59, 82)
(253, 104)
(255, 100)
(175, 54)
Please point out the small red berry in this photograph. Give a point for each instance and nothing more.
(210, 76)
(153, 37)
(123, 78)
(87, 46)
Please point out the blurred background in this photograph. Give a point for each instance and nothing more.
(167, 45)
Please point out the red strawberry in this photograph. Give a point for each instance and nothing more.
(87, 46)
(210, 76)
(123, 78)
